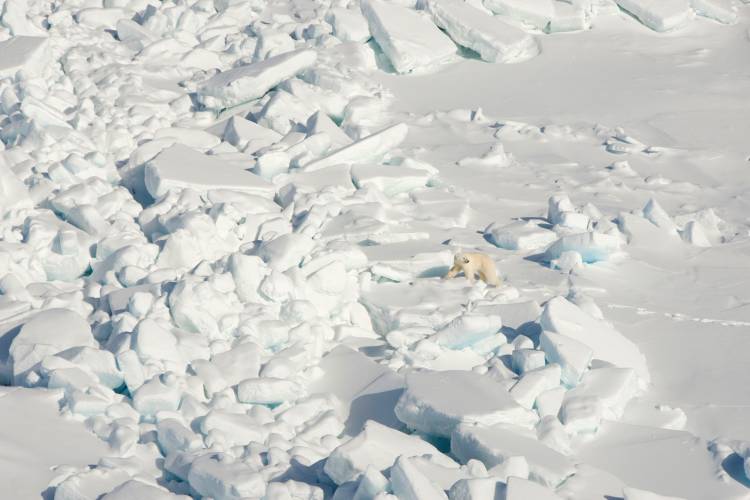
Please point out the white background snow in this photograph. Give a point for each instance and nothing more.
(224, 226)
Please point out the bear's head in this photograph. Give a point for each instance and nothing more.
(461, 258)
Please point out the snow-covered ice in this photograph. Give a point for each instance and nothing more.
(437, 402)
(491, 38)
(497, 444)
(245, 83)
(409, 39)
(224, 228)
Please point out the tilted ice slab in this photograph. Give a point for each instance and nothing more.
(366, 150)
(45, 334)
(523, 489)
(367, 390)
(389, 179)
(493, 39)
(252, 81)
(718, 10)
(563, 317)
(592, 246)
(468, 329)
(437, 402)
(537, 13)
(22, 52)
(409, 39)
(179, 167)
(662, 15)
(494, 445)
(519, 235)
(378, 446)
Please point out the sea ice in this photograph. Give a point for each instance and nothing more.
(537, 13)
(408, 483)
(592, 246)
(664, 15)
(366, 150)
(615, 387)
(29, 53)
(467, 329)
(389, 179)
(409, 39)
(638, 494)
(248, 136)
(491, 38)
(378, 446)
(245, 83)
(219, 477)
(348, 25)
(46, 333)
(573, 356)
(496, 444)
(522, 489)
(718, 10)
(519, 235)
(437, 402)
(563, 317)
(180, 166)
(535, 382)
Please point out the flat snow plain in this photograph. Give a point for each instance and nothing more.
(223, 225)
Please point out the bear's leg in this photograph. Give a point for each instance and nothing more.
(452, 272)
(470, 275)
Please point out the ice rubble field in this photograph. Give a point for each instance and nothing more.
(223, 225)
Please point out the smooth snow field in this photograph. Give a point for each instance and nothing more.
(225, 227)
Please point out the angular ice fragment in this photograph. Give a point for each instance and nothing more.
(523, 489)
(46, 333)
(389, 179)
(468, 329)
(592, 246)
(629, 493)
(248, 136)
(493, 445)
(245, 83)
(409, 39)
(533, 383)
(573, 356)
(718, 10)
(493, 39)
(366, 150)
(537, 13)
(664, 15)
(137, 489)
(378, 446)
(268, 391)
(218, 477)
(348, 25)
(615, 387)
(180, 166)
(519, 235)
(408, 483)
(563, 317)
(29, 53)
(437, 402)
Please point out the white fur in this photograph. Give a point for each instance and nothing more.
(472, 264)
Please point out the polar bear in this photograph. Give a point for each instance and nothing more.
(473, 263)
